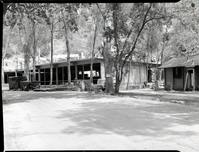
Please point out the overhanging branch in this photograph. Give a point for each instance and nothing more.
(135, 42)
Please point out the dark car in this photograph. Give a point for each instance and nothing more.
(101, 84)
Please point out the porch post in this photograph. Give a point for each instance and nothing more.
(75, 71)
(56, 75)
(129, 74)
(44, 77)
(193, 79)
(39, 76)
(183, 72)
(7, 78)
(102, 70)
(185, 85)
(83, 71)
(165, 79)
(16, 73)
(63, 74)
(29, 75)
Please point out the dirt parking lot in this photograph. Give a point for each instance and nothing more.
(86, 121)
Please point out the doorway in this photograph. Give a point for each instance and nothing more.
(190, 80)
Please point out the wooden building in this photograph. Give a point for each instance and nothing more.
(182, 73)
(80, 69)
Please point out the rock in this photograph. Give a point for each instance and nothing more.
(179, 102)
(173, 101)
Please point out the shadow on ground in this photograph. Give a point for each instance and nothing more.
(104, 114)
(147, 119)
(26, 96)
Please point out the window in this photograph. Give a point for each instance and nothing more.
(177, 72)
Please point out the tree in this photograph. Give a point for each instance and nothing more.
(37, 20)
(106, 48)
(49, 15)
(96, 19)
(34, 48)
(128, 24)
(91, 67)
(5, 47)
(27, 18)
(81, 40)
(183, 31)
(10, 18)
(69, 14)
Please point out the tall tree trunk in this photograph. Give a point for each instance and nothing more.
(162, 53)
(4, 53)
(108, 62)
(68, 55)
(67, 47)
(2, 71)
(51, 55)
(116, 63)
(33, 69)
(16, 66)
(68, 60)
(26, 50)
(34, 77)
(164, 45)
(91, 67)
(129, 74)
(156, 72)
(4, 50)
(34, 49)
(140, 76)
(26, 39)
(147, 64)
(118, 81)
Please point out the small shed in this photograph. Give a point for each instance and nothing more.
(182, 73)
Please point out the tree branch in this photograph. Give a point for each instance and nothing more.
(55, 23)
(135, 42)
(100, 10)
(154, 18)
(121, 53)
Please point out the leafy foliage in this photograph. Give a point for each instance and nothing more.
(184, 28)
(138, 31)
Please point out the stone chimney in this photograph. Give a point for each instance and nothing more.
(187, 58)
(39, 55)
(82, 55)
(192, 62)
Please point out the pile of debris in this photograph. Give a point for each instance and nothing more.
(21, 83)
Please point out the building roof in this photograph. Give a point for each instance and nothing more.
(189, 61)
(86, 60)
(65, 62)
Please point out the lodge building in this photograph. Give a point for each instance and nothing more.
(80, 70)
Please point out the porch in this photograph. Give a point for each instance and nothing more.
(80, 70)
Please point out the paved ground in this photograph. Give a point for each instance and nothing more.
(76, 120)
(182, 97)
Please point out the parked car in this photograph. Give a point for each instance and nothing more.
(101, 84)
